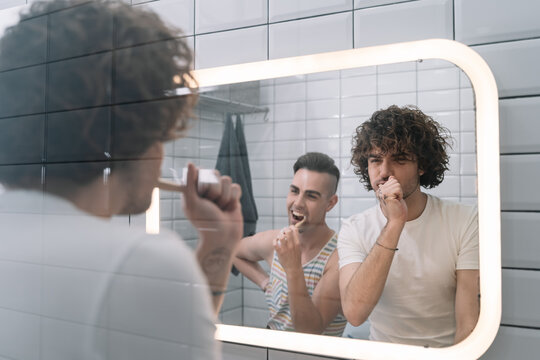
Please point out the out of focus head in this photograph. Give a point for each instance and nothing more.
(101, 79)
(404, 131)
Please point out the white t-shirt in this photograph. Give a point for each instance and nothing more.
(73, 286)
(417, 305)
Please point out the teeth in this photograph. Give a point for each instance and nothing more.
(297, 214)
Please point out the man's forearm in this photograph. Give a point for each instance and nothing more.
(252, 270)
(305, 315)
(366, 285)
(216, 262)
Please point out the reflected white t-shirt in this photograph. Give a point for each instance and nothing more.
(73, 286)
(417, 305)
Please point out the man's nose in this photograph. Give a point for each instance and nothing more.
(299, 201)
(385, 169)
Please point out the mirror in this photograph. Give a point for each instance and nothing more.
(317, 110)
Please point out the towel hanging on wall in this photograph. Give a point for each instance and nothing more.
(233, 160)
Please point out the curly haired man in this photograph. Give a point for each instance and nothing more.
(410, 263)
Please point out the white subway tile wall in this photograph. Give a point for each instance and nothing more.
(408, 21)
(218, 15)
(487, 21)
(311, 36)
(505, 33)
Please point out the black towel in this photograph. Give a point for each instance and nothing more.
(233, 161)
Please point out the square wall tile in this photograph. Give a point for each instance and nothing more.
(65, 91)
(358, 106)
(438, 79)
(216, 15)
(230, 47)
(323, 109)
(328, 128)
(408, 21)
(359, 86)
(323, 89)
(35, 28)
(290, 111)
(21, 139)
(520, 310)
(517, 172)
(484, 21)
(292, 9)
(514, 65)
(399, 99)
(514, 340)
(23, 91)
(399, 82)
(79, 135)
(519, 248)
(328, 146)
(291, 92)
(438, 100)
(311, 36)
(519, 125)
(290, 130)
(178, 14)
(97, 38)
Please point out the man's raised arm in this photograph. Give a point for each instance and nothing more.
(251, 250)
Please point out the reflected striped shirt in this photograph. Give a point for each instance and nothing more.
(277, 295)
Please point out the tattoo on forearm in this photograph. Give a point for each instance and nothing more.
(213, 262)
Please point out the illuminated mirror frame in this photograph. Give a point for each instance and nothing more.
(487, 145)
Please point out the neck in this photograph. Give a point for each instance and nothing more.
(416, 203)
(94, 198)
(315, 237)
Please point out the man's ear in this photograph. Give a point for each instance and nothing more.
(333, 201)
(421, 172)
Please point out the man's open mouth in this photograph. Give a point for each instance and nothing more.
(297, 216)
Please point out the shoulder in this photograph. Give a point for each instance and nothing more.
(452, 209)
(361, 220)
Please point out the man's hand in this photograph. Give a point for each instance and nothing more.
(217, 215)
(287, 246)
(390, 195)
(215, 212)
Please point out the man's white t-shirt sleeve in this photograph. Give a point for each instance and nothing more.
(468, 250)
(350, 249)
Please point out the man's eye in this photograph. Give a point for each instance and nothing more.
(294, 191)
(374, 161)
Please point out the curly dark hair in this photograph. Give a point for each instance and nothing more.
(403, 130)
(67, 59)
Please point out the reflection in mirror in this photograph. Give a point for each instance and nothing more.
(286, 117)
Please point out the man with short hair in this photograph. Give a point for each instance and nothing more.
(302, 288)
(84, 117)
(410, 263)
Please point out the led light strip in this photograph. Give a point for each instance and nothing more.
(487, 142)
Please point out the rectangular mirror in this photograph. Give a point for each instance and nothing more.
(314, 103)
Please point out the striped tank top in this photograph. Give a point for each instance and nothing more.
(277, 294)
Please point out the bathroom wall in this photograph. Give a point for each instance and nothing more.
(505, 33)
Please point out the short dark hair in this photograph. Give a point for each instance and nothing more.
(403, 130)
(103, 55)
(316, 161)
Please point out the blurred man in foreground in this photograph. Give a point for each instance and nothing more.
(85, 113)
